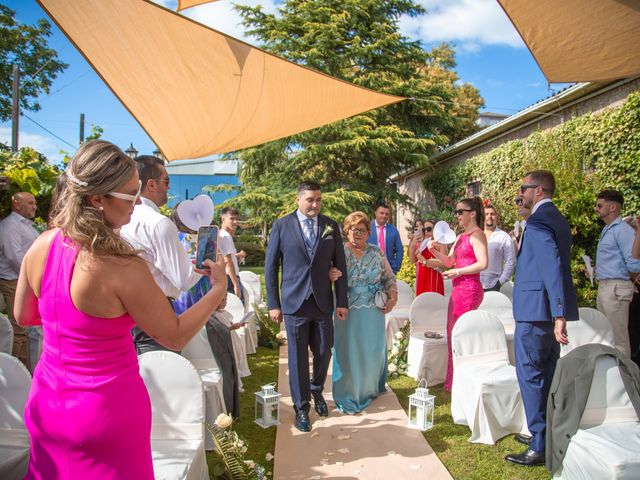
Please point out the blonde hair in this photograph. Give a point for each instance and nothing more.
(356, 218)
(97, 168)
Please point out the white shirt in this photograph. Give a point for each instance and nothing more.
(157, 237)
(502, 259)
(227, 247)
(302, 218)
(377, 230)
(16, 236)
(537, 205)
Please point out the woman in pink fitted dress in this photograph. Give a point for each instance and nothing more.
(468, 257)
(88, 413)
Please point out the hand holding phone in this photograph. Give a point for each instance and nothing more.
(207, 245)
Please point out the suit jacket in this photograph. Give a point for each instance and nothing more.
(543, 288)
(393, 245)
(301, 269)
(570, 391)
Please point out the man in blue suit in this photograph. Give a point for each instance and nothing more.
(543, 300)
(387, 237)
(307, 245)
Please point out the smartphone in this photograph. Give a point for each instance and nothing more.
(207, 245)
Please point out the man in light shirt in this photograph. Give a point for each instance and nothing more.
(16, 236)
(229, 225)
(157, 237)
(613, 264)
(502, 253)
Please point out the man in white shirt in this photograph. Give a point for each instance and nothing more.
(157, 237)
(502, 253)
(16, 236)
(229, 221)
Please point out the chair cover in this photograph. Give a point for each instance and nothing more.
(253, 280)
(238, 343)
(15, 382)
(236, 308)
(249, 307)
(607, 443)
(394, 320)
(500, 305)
(507, 289)
(6, 334)
(198, 352)
(177, 409)
(485, 394)
(592, 327)
(448, 288)
(427, 357)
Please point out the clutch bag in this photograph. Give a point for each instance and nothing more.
(380, 299)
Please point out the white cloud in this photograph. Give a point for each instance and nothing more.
(49, 147)
(468, 23)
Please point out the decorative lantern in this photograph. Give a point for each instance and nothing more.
(421, 408)
(268, 406)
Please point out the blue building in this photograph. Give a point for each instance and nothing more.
(189, 177)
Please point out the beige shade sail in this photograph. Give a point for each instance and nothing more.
(183, 4)
(196, 91)
(580, 40)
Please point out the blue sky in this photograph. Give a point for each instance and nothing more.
(489, 52)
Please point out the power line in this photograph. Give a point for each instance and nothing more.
(49, 131)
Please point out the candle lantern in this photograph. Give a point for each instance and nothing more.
(421, 408)
(267, 406)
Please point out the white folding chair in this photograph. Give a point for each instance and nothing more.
(485, 394)
(177, 409)
(592, 327)
(6, 334)
(427, 357)
(198, 352)
(500, 305)
(507, 289)
(15, 382)
(236, 308)
(394, 320)
(253, 280)
(607, 443)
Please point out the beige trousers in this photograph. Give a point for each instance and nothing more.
(20, 341)
(614, 297)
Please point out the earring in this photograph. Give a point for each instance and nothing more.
(101, 208)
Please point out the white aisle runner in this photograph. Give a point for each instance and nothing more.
(375, 445)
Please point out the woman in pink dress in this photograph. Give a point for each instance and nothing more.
(88, 413)
(468, 257)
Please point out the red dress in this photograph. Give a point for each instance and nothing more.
(428, 279)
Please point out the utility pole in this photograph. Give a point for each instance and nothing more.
(81, 128)
(15, 109)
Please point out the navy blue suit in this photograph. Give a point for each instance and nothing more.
(392, 244)
(543, 289)
(307, 300)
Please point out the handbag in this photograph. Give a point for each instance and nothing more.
(380, 299)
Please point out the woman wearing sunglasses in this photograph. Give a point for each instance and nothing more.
(428, 277)
(468, 257)
(88, 413)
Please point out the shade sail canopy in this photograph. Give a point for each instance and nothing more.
(580, 40)
(196, 91)
(183, 4)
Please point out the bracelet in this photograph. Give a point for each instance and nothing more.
(457, 272)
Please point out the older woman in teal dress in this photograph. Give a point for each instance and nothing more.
(360, 350)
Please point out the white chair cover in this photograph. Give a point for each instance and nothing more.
(592, 327)
(507, 289)
(394, 320)
(236, 308)
(485, 394)
(177, 409)
(405, 294)
(448, 288)
(500, 305)
(253, 280)
(6, 334)
(249, 306)
(15, 382)
(427, 357)
(198, 352)
(607, 443)
(239, 346)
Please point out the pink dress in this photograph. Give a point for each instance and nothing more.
(467, 294)
(88, 413)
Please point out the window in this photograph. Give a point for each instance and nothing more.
(474, 188)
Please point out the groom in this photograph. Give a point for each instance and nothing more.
(307, 245)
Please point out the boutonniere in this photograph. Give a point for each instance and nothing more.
(327, 230)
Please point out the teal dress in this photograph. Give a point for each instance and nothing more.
(360, 346)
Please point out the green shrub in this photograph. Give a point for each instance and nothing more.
(255, 253)
(407, 272)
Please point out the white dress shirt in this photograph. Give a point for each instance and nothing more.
(157, 237)
(502, 259)
(302, 218)
(228, 247)
(16, 236)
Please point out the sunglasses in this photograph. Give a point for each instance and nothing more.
(524, 187)
(428, 229)
(125, 196)
(460, 211)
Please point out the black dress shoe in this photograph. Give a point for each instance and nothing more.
(320, 406)
(523, 439)
(528, 458)
(302, 421)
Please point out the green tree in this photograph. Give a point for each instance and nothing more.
(26, 46)
(358, 41)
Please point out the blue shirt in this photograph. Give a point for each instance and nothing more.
(614, 260)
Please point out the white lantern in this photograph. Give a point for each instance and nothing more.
(268, 406)
(421, 408)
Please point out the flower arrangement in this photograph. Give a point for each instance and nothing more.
(397, 362)
(326, 231)
(269, 333)
(229, 463)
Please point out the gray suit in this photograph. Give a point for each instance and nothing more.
(569, 393)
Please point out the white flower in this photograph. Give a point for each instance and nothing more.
(262, 305)
(243, 450)
(406, 324)
(394, 351)
(268, 457)
(281, 335)
(399, 335)
(250, 463)
(327, 230)
(392, 368)
(223, 420)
